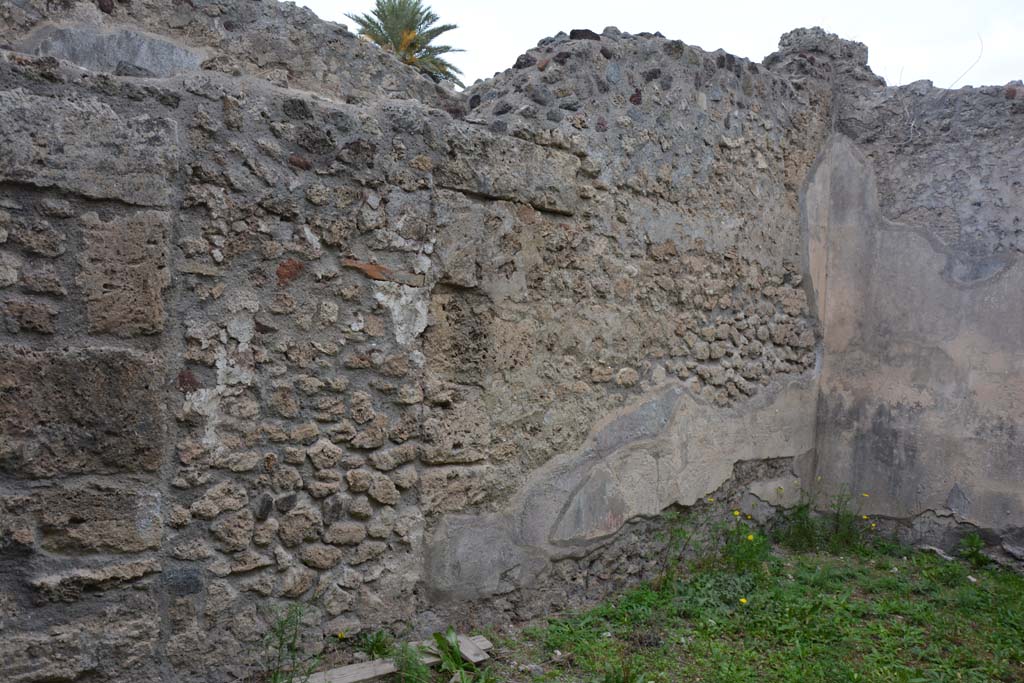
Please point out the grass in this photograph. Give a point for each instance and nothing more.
(863, 611)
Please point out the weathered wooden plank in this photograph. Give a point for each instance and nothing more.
(482, 642)
(355, 673)
(378, 668)
(471, 652)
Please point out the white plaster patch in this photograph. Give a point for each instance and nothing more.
(241, 327)
(313, 240)
(423, 263)
(205, 402)
(9, 267)
(408, 307)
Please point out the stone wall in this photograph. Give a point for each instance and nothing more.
(917, 225)
(285, 321)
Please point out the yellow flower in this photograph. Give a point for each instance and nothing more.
(735, 513)
(711, 500)
(864, 516)
(865, 495)
(750, 537)
(341, 635)
(743, 601)
(750, 516)
(873, 525)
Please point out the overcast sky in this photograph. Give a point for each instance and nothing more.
(936, 40)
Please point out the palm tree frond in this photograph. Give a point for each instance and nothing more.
(430, 34)
(406, 28)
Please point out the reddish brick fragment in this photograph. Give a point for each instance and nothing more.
(299, 161)
(287, 271)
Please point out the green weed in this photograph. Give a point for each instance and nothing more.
(846, 531)
(486, 676)
(841, 529)
(376, 644)
(284, 659)
(744, 547)
(409, 663)
(971, 549)
(799, 530)
(446, 644)
(624, 671)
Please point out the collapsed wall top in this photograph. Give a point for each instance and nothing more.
(279, 42)
(690, 130)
